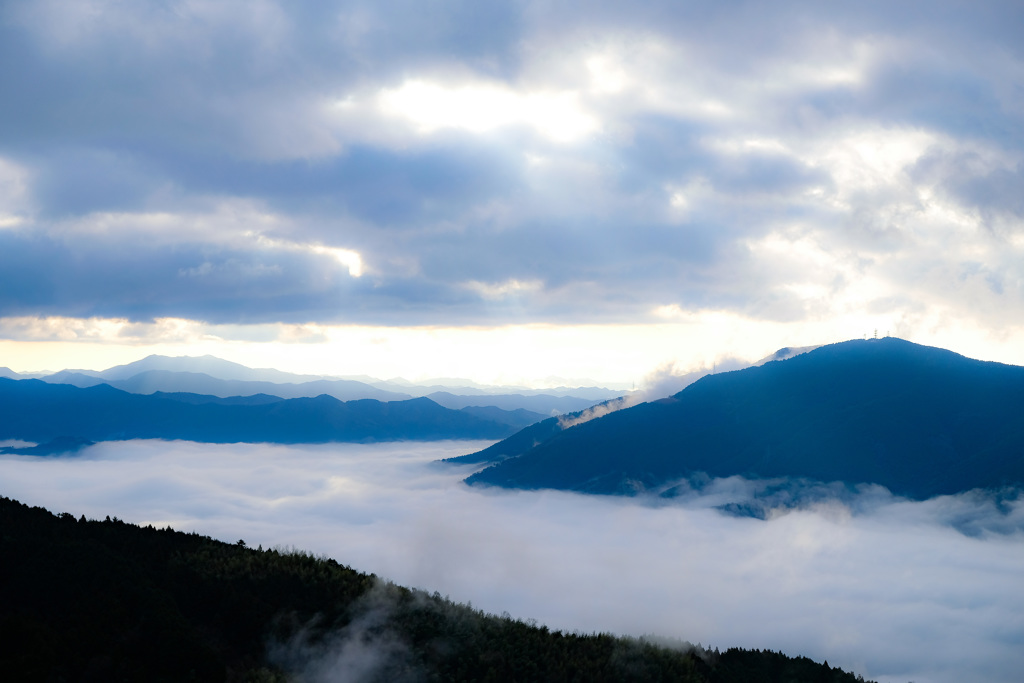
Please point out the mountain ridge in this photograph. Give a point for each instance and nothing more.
(181, 374)
(37, 411)
(919, 420)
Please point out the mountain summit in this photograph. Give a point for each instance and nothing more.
(918, 420)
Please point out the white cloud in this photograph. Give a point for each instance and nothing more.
(233, 223)
(483, 107)
(895, 590)
(502, 290)
(222, 221)
(352, 260)
(649, 72)
(870, 160)
(14, 194)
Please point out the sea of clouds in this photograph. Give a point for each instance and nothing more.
(892, 589)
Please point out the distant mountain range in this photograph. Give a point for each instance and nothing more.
(211, 376)
(210, 399)
(33, 410)
(172, 381)
(918, 420)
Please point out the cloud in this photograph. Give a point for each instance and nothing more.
(805, 163)
(13, 194)
(895, 590)
(364, 650)
(664, 381)
(484, 107)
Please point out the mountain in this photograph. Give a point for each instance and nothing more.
(543, 404)
(517, 418)
(152, 381)
(213, 376)
(76, 378)
(37, 411)
(88, 600)
(208, 365)
(920, 421)
(9, 374)
(466, 387)
(199, 399)
(785, 353)
(172, 382)
(520, 443)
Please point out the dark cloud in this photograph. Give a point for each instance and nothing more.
(138, 280)
(84, 181)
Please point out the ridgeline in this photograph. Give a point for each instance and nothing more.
(918, 420)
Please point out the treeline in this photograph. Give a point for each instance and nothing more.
(87, 600)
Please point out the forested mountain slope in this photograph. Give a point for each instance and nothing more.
(109, 601)
(919, 420)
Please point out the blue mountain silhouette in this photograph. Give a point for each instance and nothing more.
(919, 420)
(37, 411)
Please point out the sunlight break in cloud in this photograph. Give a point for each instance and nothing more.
(349, 258)
(481, 108)
(229, 223)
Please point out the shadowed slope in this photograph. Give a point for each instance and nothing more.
(87, 600)
(919, 420)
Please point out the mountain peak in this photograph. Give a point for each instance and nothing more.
(919, 420)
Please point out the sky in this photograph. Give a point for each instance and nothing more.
(506, 191)
(891, 589)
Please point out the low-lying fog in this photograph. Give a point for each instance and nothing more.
(894, 590)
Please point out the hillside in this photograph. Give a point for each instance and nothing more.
(921, 421)
(86, 600)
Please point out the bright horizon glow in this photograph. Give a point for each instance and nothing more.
(537, 355)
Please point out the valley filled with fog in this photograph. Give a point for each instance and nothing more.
(891, 589)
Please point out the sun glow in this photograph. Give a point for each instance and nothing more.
(536, 355)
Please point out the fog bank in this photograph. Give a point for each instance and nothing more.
(891, 589)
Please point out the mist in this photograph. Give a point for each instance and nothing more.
(891, 589)
(665, 380)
